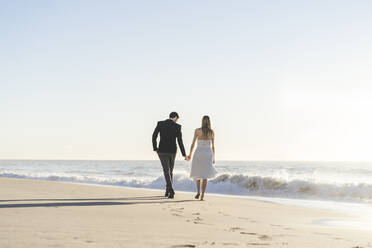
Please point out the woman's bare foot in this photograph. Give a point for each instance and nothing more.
(202, 197)
(197, 196)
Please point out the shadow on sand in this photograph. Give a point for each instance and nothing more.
(66, 202)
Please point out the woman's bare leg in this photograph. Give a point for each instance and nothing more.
(198, 188)
(204, 186)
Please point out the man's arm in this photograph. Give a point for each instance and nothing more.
(154, 137)
(180, 142)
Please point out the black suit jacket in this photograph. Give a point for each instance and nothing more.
(169, 132)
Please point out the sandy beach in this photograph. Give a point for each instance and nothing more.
(55, 214)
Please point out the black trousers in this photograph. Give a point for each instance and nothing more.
(167, 161)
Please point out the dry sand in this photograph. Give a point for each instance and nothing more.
(54, 214)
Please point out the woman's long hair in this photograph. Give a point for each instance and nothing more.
(206, 127)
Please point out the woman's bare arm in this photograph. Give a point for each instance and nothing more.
(193, 143)
(213, 150)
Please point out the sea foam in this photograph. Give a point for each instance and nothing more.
(233, 184)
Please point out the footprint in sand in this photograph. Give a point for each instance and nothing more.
(282, 243)
(202, 223)
(233, 229)
(229, 244)
(249, 233)
(261, 236)
(264, 237)
(257, 244)
(187, 245)
(196, 214)
(178, 215)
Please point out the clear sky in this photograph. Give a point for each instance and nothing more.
(281, 80)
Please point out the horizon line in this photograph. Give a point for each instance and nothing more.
(222, 160)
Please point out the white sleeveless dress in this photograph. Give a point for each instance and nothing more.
(202, 161)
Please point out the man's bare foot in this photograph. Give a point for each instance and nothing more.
(202, 197)
(197, 196)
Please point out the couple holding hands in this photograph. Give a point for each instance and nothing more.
(202, 161)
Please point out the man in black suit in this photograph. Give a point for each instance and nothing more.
(169, 131)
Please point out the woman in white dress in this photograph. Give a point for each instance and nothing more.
(204, 157)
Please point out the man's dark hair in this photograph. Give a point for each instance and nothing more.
(173, 115)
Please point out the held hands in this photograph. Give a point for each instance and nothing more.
(187, 158)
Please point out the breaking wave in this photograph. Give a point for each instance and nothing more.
(227, 184)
